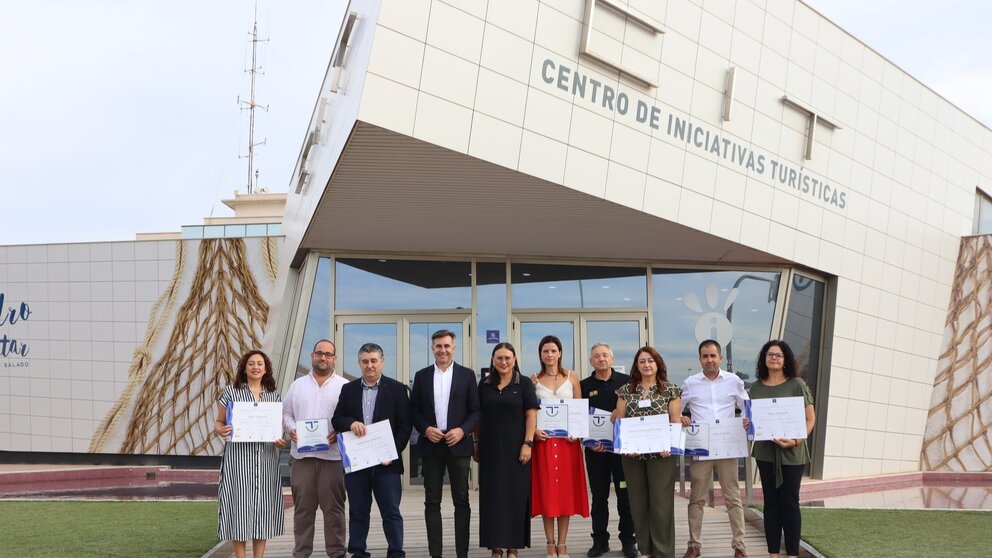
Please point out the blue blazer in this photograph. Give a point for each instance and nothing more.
(392, 402)
(463, 407)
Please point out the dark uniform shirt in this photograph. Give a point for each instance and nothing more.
(603, 394)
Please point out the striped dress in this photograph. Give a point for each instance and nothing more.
(249, 495)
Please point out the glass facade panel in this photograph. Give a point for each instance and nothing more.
(380, 284)
(357, 334)
(531, 333)
(275, 229)
(318, 325)
(213, 231)
(623, 337)
(803, 326)
(256, 230)
(192, 232)
(575, 286)
(234, 231)
(734, 307)
(490, 311)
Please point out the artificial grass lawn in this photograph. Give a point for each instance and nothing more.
(838, 533)
(107, 529)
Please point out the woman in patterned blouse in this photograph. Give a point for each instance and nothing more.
(651, 477)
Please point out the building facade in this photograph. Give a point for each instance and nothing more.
(641, 172)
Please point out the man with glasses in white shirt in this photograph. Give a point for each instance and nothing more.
(711, 395)
(316, 477)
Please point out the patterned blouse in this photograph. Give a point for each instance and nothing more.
(659, 403)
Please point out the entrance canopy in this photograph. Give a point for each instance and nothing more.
(391, 193)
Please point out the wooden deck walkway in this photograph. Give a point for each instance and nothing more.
(716, 533)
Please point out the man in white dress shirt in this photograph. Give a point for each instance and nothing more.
(317, 477)
(708, 396)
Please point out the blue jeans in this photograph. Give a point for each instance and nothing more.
(387, 489)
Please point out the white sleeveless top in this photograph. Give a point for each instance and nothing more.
(564, 391)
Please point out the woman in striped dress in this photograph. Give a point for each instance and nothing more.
(249, 496)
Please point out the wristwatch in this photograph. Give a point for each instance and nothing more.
(529, 443)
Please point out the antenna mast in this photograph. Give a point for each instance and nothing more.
(251, 105)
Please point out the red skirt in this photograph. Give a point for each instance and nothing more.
(558, 479)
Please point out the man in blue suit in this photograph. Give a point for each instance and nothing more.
(445, 408)
(366, 400)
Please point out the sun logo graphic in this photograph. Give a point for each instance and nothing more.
(712, 324)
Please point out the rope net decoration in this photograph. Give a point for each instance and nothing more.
(957, 435)
(223, 317)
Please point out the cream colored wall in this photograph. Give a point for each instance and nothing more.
(467, 75)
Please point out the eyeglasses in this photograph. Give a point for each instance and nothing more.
(322, 354)
(503, 358)
(774, 355)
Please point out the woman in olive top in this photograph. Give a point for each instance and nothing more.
(781, 462)
(651, 477)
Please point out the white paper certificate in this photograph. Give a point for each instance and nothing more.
(254, 422)
(600, 429)
(553, 419)
(777, 417)
(578, 413)
(727, 439)
(697, 439)
(311, 435)
(376, 446)
(650, 434)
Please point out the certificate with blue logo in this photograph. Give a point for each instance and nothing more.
(553, 419)
(254, 422)
(600, 429)
(648, 434)
(311, 435)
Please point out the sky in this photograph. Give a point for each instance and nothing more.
(122, 117)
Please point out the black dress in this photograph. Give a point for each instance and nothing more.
(504, 484)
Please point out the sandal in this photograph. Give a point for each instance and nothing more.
(511, 553)
(552, 550)
(562, 550)
(497, 553)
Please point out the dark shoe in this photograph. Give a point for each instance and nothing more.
(598, 550)
(739, 553)
(630, 551)
(693, 552)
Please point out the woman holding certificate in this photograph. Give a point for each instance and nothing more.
(781, 461)
(503, 441)
(558, 486)
(249, 495)
(651, 477)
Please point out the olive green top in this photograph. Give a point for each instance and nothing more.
(770, 451)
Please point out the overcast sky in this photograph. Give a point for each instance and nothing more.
(121, 117)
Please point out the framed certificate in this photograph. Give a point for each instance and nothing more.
(553, 419)
(578, 413)
(600, 429)
(777, 417)
(311, 435)
(727, 439)
(254, 422)
(650, 434)
(362, 452)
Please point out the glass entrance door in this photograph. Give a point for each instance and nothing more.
(623, 332)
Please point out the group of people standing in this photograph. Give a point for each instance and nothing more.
(522, 472)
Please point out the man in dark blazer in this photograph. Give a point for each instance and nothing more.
(366, 400)
(445, 408)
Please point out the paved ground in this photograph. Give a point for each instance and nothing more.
(716, 533)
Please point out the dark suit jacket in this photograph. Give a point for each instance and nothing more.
(392, 402)
(463, 407)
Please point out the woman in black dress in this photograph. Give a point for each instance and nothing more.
(503, 448)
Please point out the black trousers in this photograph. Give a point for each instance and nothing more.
(604, 469)
(458, 468)
(782, 513)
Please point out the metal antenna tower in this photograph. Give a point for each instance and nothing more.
(250, 105)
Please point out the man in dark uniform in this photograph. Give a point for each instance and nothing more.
(600, 388)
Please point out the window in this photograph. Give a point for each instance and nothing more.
(983, 214)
